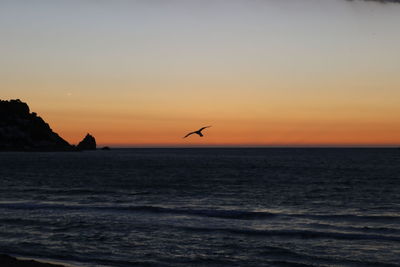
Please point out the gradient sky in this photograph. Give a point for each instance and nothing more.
(262, 72)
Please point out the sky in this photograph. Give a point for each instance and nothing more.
(261, 72)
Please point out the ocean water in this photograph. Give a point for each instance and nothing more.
(203, 207)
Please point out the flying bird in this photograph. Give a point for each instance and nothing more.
(197, 132)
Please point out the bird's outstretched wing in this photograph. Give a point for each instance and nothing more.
(201, 129)
(188, 134)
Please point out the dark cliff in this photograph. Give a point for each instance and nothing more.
(21, 130)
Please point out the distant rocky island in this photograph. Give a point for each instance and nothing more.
(22, 130)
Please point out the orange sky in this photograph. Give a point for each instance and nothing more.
(260, 72)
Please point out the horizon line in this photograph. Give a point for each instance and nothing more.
(123, 146)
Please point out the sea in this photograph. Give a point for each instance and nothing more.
(203, 206)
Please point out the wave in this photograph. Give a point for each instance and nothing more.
(318, 231)
(77, 191)
(369, 229)
(349, 217)
(225, 214)
(301, 234)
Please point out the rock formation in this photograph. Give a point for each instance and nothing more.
(88, 143)
(21, 130)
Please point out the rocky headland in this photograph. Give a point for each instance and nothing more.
(22, 130)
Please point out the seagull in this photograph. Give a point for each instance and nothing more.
(197, 132)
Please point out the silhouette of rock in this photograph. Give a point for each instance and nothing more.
(106, 148)
(21, 130)
(88, 143)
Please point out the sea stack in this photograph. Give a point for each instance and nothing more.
(88, 143)
(21, 130)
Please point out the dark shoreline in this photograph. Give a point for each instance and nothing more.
(8, 261)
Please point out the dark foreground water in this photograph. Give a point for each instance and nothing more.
(203, 207)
